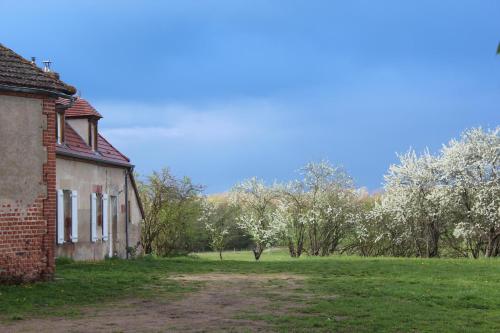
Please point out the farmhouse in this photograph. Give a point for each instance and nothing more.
(98, 205)
(64, 189)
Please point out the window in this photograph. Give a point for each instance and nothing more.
(67, 216)
(93, 134)
(99, 217)
(60, 128)
(99, 213)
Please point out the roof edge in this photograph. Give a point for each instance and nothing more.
(130, 173)
(93, 159)
(36, 91)
(109, 143)
(83, 116)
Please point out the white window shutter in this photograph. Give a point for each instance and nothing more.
(74, 216)
(60, 216)
(104, 217)
(93, 217)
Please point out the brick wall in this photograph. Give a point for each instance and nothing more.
(28, 232)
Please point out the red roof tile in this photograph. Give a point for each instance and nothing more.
(108, 151)
(80, 108)
(75, 145)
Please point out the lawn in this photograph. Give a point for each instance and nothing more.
(341, 293)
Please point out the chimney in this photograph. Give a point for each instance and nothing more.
(33, 61)
(46, 66)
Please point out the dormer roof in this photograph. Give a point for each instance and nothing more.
(80, 108)
(74, 145)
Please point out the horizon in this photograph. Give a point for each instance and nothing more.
(222, 91)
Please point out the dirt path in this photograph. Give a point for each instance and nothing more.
(217, 307)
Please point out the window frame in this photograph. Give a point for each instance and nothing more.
(60, 127)
(93, 134)
(68, 215)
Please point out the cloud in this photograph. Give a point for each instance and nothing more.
(210, 123)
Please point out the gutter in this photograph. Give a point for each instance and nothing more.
(37, 91)
(93, 159)
(72, 100)
(126, 212)
(136, 191)
(130, 172)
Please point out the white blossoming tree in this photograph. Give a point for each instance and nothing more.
(471, 169)
(413, 200)
(366, 238)
(291, 213)
(216, 219)
(256, 203)
(317, 210)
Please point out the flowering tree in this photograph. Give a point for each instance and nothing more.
(432, 205)
(471, 169)
(256, 202)
(331, 193)
(216, 219)
(413, 200)
(316, 211)
(291, 213)
(366, 238)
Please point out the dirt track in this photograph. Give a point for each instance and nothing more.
(217, 307)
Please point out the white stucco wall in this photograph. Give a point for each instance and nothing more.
(81, 126)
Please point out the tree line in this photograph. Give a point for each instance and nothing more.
(445, 204)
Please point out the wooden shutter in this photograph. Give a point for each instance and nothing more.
(60, 217)
(105, 205)
(74, 216)
(93, 217)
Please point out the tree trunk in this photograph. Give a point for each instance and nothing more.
(220, 254)
(148, 248)
(291, 249)
(257, 251)
(313, 241)
(299, 249)
(491, 248)
(433, 241)
(475, 250)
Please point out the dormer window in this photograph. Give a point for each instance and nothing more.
(60, 128)
(84, 120)
(93, 134)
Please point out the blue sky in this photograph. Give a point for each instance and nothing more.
(225, 90)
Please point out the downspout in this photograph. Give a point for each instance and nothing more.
(126, 212)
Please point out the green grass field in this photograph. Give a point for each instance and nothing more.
(369, 294)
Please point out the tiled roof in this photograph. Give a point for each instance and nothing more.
(108, 151)
(80, 108)
(15, 71)
(74, 145)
